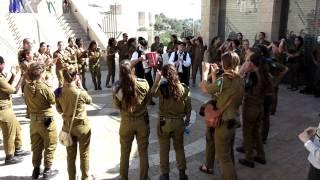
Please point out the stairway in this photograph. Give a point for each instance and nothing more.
(72, 28)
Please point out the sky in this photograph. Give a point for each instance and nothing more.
(179, 9)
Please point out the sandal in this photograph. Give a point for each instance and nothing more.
(203, 168)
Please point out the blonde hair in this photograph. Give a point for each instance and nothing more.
(70, 73)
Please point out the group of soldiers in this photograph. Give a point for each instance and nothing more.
(232, 72)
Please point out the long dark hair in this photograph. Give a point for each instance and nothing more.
(79, 42)
(110, 42)
(170, 73)
(128, 85)
(301, 42)
(92, 43)
(257, 59)
(41, 44)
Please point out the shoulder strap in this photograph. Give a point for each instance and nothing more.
(74, 111)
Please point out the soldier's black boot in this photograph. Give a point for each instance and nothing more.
(36, 173)
(247, 163)
(182, 175)
(48, 173)
(99, 87)
(20, 152)
(164, 176)
(10, 159)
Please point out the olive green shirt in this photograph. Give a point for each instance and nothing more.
(94, 57)
(139, 110)
(73, 54)
(65, 103)
(6, 90)
(62, 58)
(157, 47)
(224, 88)
(123, 48)
(169, 107)
(39, 98)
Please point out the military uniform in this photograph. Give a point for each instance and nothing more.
(62, 58)
(82, 65)
(253, 107)
(43, 133)
(94, 66)
(111, 63)
(80, 131)
(197, 62)
(123, 49)
(224, 88)
(171, 125)
(23, 65)
(294, 65)
(214, 55)
(134, 123)
(10, 127)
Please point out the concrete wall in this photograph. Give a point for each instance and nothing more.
(87, 20)
(209, 19)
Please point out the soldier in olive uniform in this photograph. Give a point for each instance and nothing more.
(295, 60)
(43, 133)
(82, 61)
(73, 52)
(174, 106)
(228, 89)
(61, 58)
(81, 130)
(257, 83)
(130, 95)
(42, 56)
(94, 55)
(27, 45)
(123, 48)
(197, 58)
(11, 130)
(214, 52)
(111, 61)
(173, 45)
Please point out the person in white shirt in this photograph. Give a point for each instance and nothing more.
(182, 61)
(311, 139)
(140, 63)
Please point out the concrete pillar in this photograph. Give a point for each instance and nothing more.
(269, 14)
(209, 19)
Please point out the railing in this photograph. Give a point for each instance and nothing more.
(110, 24)
(230, 26)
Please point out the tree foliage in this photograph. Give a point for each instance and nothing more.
(165, 26)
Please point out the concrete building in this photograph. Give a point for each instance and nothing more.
(275, 17)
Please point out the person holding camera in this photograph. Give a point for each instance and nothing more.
(80, 130)
(39, 99)
(311, 139)
(11, 130)
(131, 96)
(228, 89)
(94, 53)
(174, 106)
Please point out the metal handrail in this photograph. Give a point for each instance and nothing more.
(301, 13)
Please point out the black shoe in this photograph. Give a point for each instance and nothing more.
(49, 173)
(108, 86)
(21, 152)
(289, 87)
(182, 175)
(294, 89)
(99, 88)
(36, 173)
(247, 163)
(259, 160)
(152, 103)
(240, 149)
(164, 176)
(13, 160)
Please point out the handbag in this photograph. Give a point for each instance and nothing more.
(65, 137)
(211, 113)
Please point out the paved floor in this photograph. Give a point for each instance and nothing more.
(286, 156)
